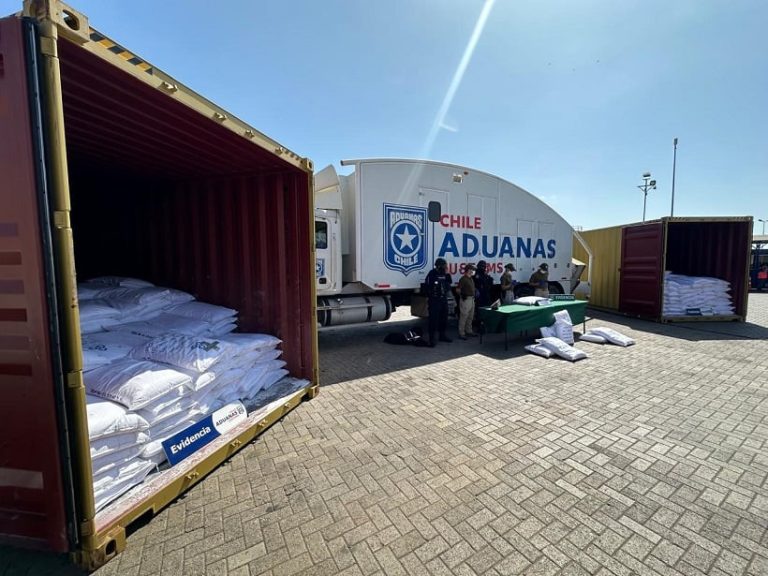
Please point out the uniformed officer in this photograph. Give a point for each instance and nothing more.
(483, 285)
(540, 281)
(438, 285)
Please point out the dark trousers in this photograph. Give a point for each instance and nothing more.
(438, 317)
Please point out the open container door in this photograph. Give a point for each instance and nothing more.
(146, 179)
(642, 269)
(36, 502)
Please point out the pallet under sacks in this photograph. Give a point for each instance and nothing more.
(156, 368)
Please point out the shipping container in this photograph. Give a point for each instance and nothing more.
(630, 261)
(110, 166)
(603, 264)
(710, 247)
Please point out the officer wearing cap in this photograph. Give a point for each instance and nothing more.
(437, 285)
(540, 281)
(508, 284)
(483, 285)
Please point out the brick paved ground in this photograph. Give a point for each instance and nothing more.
(467, 459)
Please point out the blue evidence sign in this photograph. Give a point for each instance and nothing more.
(191, 439)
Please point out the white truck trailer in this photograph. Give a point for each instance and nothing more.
(379, 230)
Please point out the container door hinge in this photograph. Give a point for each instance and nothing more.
(49, 47)
(61, 219)
(75, 379)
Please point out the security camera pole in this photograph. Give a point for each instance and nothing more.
(645, 186)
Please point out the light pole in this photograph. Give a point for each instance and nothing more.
(763, 221)
(674, 164)
(645, 186)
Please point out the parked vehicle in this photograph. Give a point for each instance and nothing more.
(379, 230)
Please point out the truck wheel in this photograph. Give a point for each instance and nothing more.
(556, 288)
(523, 290)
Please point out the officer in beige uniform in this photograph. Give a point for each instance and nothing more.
(466, 302)
(540, 281)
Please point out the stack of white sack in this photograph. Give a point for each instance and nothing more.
(709, 295)
(109, 302)
(220, 370)
(116, 437)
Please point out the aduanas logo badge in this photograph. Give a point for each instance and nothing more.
(405, 237)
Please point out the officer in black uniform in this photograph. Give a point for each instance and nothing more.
(483, 285)
(437, 285)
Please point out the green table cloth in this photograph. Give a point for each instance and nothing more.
(515, 317)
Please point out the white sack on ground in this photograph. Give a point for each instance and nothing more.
(106, 418)
(135, 384)
(539, 350)
(548, 331)
(594, 338)
(612, 336)
(564, 326)
(562, 349)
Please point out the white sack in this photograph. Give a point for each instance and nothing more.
(269, 379)
(539, 350)
(595, 338)
(102, 348)
(529, 300)
(106, 418)
(613, 336)
(222, 328)
(548, 331)
(564, 326)
(251, 381)
(98, 309)
(191, 353)
(134, 384)
(109, 487)
(117, 459)
(111, 444)
(207, 312)
(248, 341)
(562, 349)
(163, 411)
(123, 281)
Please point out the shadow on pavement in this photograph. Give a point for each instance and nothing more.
(15, 561)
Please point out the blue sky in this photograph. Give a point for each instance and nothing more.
(572, 100)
